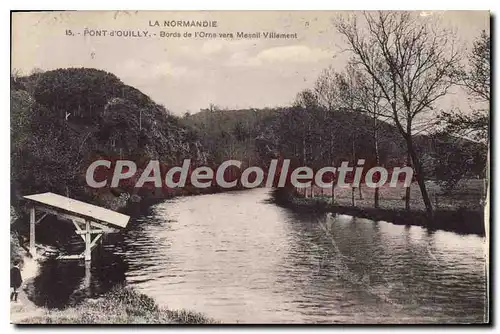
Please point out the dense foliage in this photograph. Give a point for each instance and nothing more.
(62, 120)
(316, 137)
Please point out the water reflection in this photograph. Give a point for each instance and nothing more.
(238, 258)
(62, 283)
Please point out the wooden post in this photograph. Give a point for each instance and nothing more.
(86, 280)
(88, 240)
(32, 232)
(88, 253)
(333, 192)
(353, 200)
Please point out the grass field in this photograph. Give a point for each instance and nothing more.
(468, 194)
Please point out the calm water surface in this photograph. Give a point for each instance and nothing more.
(237, 258)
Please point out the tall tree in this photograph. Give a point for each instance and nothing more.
(362, 94)
(412, 62)
(476, 80)
(477, 77)
(327, 89)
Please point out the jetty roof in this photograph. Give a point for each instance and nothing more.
(80, 209)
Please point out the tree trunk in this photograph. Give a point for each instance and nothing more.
(408, 189)
(376, 197)
(420, 177)
(304, 151)
(360, 192)
(353, 200)
(333, 192)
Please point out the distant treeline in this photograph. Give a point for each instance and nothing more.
(317, 138)
(63, 120)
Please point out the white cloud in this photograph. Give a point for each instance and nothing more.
(281, 55)
(293, 54)
(212, 46)
(138, 68)
(243, 59)
(166, 68)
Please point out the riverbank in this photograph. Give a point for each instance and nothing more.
(121, 305)
(462, 220)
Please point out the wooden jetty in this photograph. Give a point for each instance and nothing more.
(90, 221)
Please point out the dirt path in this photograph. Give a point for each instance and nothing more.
(24, 309)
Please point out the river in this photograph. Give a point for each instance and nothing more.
(236, 257)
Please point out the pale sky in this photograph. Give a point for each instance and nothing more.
(186, 74)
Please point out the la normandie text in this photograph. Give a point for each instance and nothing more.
(184, 23)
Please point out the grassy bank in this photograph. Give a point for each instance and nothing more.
(460, 212)
(121, 305)
(468, 194)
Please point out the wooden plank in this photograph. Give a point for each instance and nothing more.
(112, 230)
(98, 231)
(70, 257)
(91, 232)
(87, 278)
(91, 227)
(59, 214)
(32, 232)
(75, 219)
(87, 241)
(41, 218)
(86, 211)
(78, 229)
(104, 227)
(94, 242)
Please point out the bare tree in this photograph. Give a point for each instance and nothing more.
(333, 92)
(345, 85)
(307, 99)
(365, 96)
(412, 62)
(330, 93)
(326, 89)
(476, 80)
(340, 91)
